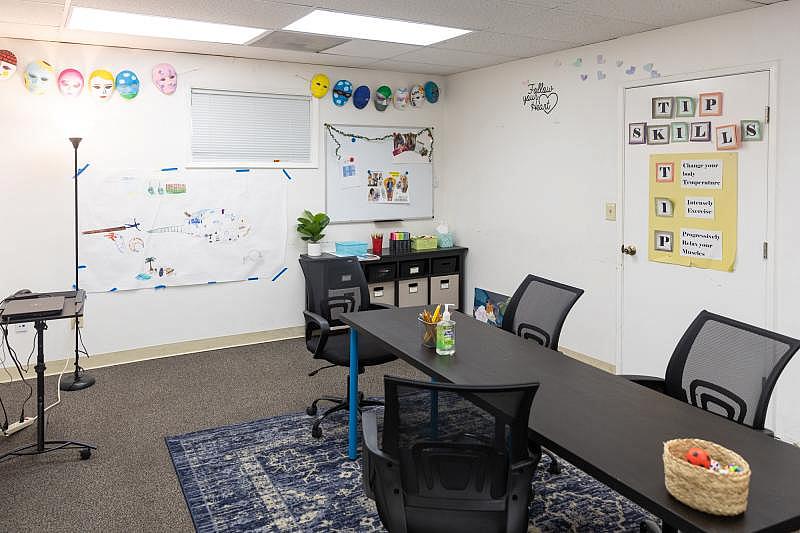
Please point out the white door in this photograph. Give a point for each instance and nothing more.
(660, 300)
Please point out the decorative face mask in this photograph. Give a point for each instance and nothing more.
(361, 97)
(417, 96)
(70, 82)
(431, 92)
(39, 77)
(127, 84)
(101, 84)
(165, 78)
(342, 92)
(382, 98)
(401, 98)
(8, 64)
(320, 84)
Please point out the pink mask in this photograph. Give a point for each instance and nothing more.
(70, 82)
(165, 78)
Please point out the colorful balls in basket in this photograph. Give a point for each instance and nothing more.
(698, 457)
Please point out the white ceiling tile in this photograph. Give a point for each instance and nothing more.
(29, 12)
(658, 12)
(503, 44)
(560, 25)
(416, 68)
(253, 13)
(456, 58)
(374, 49)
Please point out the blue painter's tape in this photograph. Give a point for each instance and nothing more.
(160, 287)
(242, 170)
(279, 274)
(80, 170)
(74, 287)
(169, 169)
(253, 278)
(286, 173)
(81, 266)
(112, 289)
(211, 282)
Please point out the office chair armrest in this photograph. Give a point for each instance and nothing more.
(315, 321)
(369, 430)
(657, 384)
(373, 306)
(523, 464)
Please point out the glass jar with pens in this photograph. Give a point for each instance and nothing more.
(377, 243)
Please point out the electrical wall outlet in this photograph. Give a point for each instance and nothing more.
(611, 211)
(21, 328)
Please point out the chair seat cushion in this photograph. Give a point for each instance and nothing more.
(337, 351)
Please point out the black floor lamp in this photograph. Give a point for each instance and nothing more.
(79, 379)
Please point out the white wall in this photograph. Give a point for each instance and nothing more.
(525, 191)
(152, 132)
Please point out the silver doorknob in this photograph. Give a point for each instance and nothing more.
(628, 250)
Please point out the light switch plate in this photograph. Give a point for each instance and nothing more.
(611, 211)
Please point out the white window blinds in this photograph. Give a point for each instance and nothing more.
(240, 128)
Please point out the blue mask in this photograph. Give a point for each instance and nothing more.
(431, 92)
(342, 92)
(127, 83)
(361, 97)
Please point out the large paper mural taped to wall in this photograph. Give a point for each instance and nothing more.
(152, 229)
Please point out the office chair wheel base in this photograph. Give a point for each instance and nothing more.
(311, 410)
(316, 432)
(85, 453)
(554, 467)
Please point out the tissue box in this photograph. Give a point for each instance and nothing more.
(351, 248)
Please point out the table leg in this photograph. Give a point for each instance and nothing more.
(352, 434)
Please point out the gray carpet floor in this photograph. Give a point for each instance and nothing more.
(129, 483)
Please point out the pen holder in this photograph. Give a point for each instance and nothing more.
(427, 332)
(377, 245)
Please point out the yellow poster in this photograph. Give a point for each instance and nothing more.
(693, 209)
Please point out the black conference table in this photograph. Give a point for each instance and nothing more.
(610, 428)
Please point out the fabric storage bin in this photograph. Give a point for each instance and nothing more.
(444, 265)
(423, 243)
(412, 292)
(382, 293)
(410, 269)
(351, 248)
(380, 272)
(444, 290)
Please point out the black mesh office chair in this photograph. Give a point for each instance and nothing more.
(453, 457)
(726, 367)
(537, 311)
(334, 286)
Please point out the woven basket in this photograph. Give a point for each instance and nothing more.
(701, 488)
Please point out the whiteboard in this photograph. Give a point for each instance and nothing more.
(374, 180)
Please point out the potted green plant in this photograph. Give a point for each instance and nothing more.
(310, 227)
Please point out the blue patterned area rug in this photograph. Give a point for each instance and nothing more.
(270, 475)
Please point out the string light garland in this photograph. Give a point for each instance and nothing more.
(331, 129)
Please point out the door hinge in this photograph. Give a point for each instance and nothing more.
(766, 115)
(766, 250)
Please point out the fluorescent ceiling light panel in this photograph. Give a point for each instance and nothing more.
(84, 18)
(373, 28)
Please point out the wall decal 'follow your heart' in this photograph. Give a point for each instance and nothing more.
(540, 97)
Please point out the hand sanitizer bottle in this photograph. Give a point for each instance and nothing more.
(446, 334)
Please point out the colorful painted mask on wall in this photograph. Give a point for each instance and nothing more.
(70, 82)
(417, 96)
(101, 84)
(8, 64)
(342, 92)
(382, 98)
(361, 97)
(320, 84)
(401, 97)
(127, 84)
(432, 92)
(39, 77)
(165, 78)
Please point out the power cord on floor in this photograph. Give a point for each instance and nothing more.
(13, 354)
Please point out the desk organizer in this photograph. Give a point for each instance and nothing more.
(704, 489)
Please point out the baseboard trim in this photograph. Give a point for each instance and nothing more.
(589, 360)
(164, 350)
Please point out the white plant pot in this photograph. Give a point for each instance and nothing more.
(314, 249)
